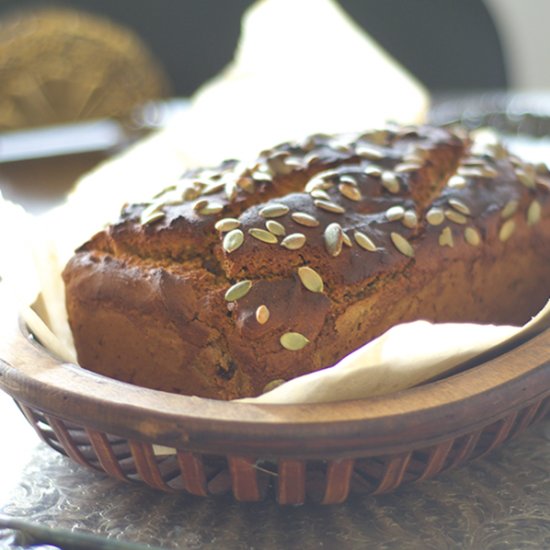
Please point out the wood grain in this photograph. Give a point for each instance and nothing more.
(371, 445)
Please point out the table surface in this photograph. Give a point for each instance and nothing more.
(501, 501)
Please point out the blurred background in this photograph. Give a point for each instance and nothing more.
(448, 45)
(480, 44)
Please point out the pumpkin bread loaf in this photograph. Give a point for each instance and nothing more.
(240, 276)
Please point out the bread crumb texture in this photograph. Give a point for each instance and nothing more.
(248, 273)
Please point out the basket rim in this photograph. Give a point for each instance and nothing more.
(419, 416)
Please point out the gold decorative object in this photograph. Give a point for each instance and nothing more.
(62, 65)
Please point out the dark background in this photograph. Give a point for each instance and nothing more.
(447, 44)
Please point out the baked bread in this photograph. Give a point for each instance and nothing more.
(241, 276)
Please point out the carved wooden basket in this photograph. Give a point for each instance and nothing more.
(318, 452)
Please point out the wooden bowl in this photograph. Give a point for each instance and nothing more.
(318, 452)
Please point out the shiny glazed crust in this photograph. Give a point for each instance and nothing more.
(238, 277)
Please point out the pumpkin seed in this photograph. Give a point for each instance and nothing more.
(200, 204)
(311, 158)
(364, 241)
(146, 219)
(153, 208)
(534, 213)
(329, 206)
(509, 209)
(211, 208)
(274, 210)
(350, 192)
(227, 224)
(172, 198)
(334, 239)
(446, 237)
(373, 171)
(369, 153)
(506, 230)
(310, 279)
(526, 177)
(247, 184)
(406, 167)
(402, 244)
(477, 172)
(293, 341)
(263, 235)
(262, 314)
(472, 236)
(233, 240)
(294, 162)
(304, 219)
(168, 189)
(212, 187)
(317, 183)
(435, 216)
(238, 291)
(378, 137)
(276, 228)
(459, 206)
(200, 184)
(410, 219)
(395, 213)
(457, 182)
(277, 163)
(455, 217)
(259, 177)
(320, 194)
(341, 147)
(349, 179)
(189, 193)
(231, 190)
(294, 241)
(390, 181)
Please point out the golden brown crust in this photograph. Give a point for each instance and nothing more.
(387, 227)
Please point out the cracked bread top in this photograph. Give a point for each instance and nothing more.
(283, 245)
